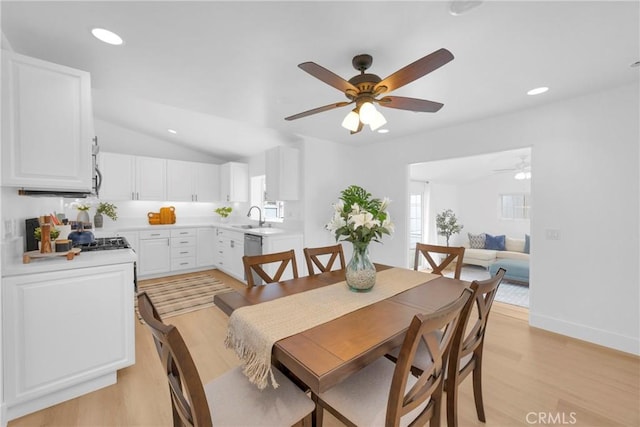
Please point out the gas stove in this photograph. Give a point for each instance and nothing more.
(104, 244)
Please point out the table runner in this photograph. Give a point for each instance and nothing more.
(253, 330)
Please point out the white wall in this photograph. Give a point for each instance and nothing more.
(585, 184)
(118, 139)
(479, 206)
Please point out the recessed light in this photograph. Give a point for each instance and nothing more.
(107, 36)
(538, 90)
(383, 131)
(172, 131)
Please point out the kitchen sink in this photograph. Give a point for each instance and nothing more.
(245, 226)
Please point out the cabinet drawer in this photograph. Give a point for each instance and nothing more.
(183, 263)
(181, 252)
(183, 232)
(178, 242)
(155, 234)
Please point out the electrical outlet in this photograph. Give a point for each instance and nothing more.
(552, 234)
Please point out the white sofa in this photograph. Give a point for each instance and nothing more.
(486, 257)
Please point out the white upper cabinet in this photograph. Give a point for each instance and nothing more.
(282, 173)
(46, 125)
(126, 177)
(234, 182)
(192, 181)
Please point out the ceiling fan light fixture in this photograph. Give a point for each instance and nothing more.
(351, 121)
(522, 175)
(367, 113)
(378, 121)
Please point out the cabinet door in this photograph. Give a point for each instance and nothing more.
(63, 330)
(180, 181)
(46, 125)
(237, 252)
(154, 256)
(151, 175)
(118, 176)
(205, 247)
(282, 173)
(207, 182)
(234, 182)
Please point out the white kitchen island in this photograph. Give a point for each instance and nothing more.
(68, 326)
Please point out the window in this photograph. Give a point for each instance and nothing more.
(272, 211)
(514, 206)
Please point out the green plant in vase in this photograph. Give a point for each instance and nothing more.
(224, 212)
(107, 209)
(37, 233)
(358, 218)
(83, 212)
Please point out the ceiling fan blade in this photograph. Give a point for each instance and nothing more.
(360, 126)
(328, 77)
(318, 110)
(415, 70)
(411, 104)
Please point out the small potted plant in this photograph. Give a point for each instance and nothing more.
(108, 209)
(447, 224)
(83, 213)
(37, 233)
(224, 212)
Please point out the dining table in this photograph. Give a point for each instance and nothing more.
(324, 355)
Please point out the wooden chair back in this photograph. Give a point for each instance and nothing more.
(188, 399)
(311, 256)
(254, 263)
(467, 345)
(434, 331)
(451, 252)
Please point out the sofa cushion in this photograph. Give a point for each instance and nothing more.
(514, 245)
(476, 241)
(527, 243)
(494, 242)
(481, 254)
(512, 255)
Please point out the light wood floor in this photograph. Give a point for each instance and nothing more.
(531, 377)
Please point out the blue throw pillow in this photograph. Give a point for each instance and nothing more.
(526, 243)
(494, 242)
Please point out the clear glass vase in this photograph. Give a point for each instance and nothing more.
(361, 273)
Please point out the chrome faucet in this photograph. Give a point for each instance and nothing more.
(260, 220)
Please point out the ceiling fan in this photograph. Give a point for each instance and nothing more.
(522, 169)
(364, 89)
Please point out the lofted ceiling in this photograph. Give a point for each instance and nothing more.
(224, 74)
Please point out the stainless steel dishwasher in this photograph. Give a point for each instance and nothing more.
(253, 246)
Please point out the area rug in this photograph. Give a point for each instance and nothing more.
(508, 292)
(176, 296)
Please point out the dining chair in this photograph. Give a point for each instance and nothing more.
(466, 349)
(216, 403)
(451, 252)
(384, 393)
(312, 257)
(255, 263)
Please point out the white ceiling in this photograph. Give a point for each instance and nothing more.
(224, 74)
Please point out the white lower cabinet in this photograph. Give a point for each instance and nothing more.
(65, 333)
(205, 247)
(229, 252)
(183, 249)
(154, 255)
(281, 243)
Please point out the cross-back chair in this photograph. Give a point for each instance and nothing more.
(312, 255)
(384, 393)
(255, 263)
(215, 403)
(452, 253)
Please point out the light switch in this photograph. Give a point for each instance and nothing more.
(552, 234)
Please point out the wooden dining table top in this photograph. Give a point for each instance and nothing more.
(326, 354)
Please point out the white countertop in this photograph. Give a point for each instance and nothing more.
(260, 231)
(82, 260)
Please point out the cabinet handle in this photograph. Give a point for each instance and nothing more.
(185, 252)
(184, 241)
(155, 234)
(196, 197)
(233, 244)
(184, 263)
(133, 196)
(137, 196)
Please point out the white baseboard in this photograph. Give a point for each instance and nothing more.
(596, 336)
